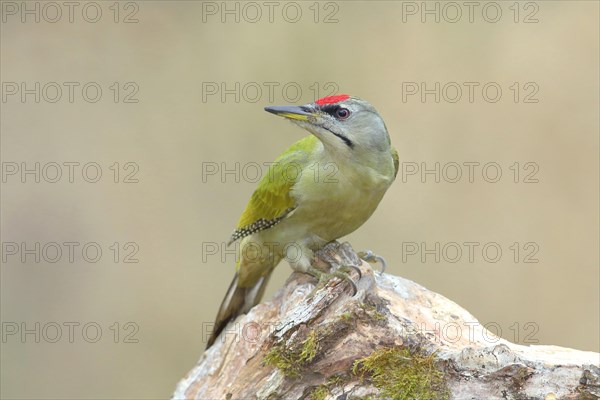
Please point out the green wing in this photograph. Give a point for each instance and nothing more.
(271, 201)
(396, 160)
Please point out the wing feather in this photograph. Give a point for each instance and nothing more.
(396, 161)
(272, 201)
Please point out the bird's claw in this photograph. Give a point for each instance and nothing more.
(327, 255)
(341, 272)
(373, 258)
(349, 268)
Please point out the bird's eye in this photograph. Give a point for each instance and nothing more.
(342, 113)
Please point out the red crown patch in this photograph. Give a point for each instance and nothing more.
(332, 99)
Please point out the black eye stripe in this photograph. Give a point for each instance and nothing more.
(330, 108)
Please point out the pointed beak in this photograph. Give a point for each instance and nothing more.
(299, 113)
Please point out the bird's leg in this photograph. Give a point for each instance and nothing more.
(327, 256)
(323, 265)
(324, 277)
(373, 258)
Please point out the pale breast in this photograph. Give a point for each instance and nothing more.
(334, 205)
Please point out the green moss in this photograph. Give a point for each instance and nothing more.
(319, 393)
(291, 361)
(401, 375)
(371, 311)
(337, 380)
(378, 316)
(310, 346)
(346, 316)
(278, 358)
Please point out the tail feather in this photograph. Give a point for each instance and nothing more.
(237, 301)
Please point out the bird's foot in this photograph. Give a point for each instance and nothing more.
(373, 258)
(342, 272)
(327, 256)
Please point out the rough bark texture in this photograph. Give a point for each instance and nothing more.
(393, 339)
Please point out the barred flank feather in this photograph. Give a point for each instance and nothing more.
(257, 226)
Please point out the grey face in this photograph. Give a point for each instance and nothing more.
(350, 127)
(353, 123)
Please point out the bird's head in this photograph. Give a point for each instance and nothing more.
(345, 125)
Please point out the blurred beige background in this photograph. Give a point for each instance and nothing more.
(174, 52)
